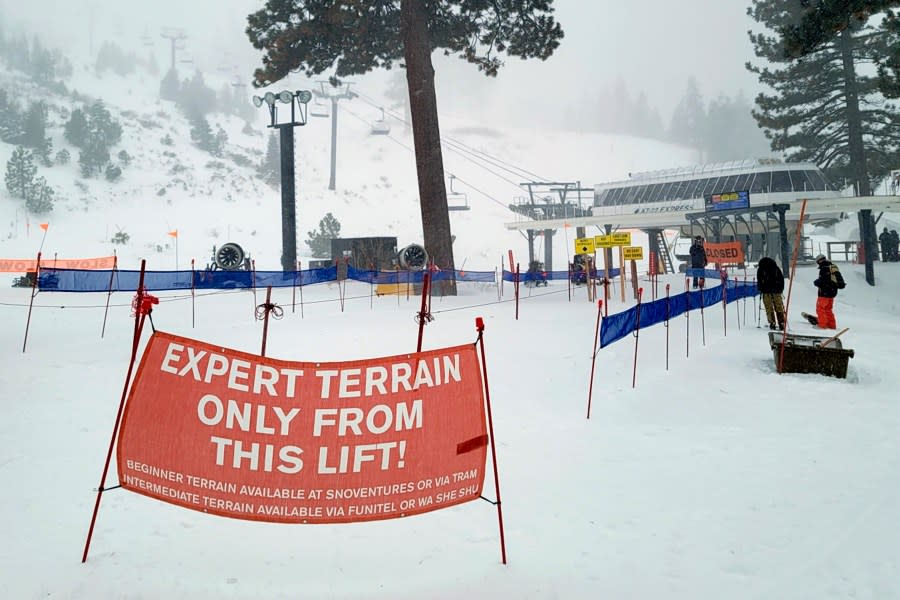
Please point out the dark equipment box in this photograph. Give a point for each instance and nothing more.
(804, 354)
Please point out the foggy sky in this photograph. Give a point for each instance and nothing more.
(653, 45)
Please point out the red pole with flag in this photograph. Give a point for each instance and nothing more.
(174, 234)
(37, 272)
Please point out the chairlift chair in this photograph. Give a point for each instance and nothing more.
(380, 127)
(456, 200)
(318, 108)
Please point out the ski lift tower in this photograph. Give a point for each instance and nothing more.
(334, 92)
(546, 208)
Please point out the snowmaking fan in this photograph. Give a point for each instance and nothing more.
(413, 257)
(229, 257)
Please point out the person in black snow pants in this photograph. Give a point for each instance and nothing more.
(770, 282)
(698, 259)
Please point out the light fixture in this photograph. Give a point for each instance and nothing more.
(285, 97)
(303, 96)
(257, 101)
(270, 98)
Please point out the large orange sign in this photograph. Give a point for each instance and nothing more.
(724, 253)
(250, 437)
(12, 265)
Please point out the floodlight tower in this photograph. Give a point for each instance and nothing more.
(298, 101)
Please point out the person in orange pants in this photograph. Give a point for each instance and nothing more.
(829, 282)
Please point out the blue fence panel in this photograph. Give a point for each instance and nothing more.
(615, 327)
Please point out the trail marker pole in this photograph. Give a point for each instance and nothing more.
(637, 331)
(142, 305)
(37, 273)
(594, 357)
(108, 294)
(479, 326)
(666, 325)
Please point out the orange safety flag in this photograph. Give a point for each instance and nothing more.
(45, 226)
(174, 233)
(724, 253)
(250, 437)
(12, 265)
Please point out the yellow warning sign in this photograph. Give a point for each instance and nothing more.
(584, 245)
(621, 239)
(633, 252)
(603, 241)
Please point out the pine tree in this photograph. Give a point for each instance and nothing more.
(76, 129)
(688, 126)
(319, 242)
(824, 108)
(823, 19)
(169, 87)
(201, 132)
(102, 125)
(270, 167)
(10, 119)
(40, 197)
(94, 155)
(353, 37)
(42, 68)
(20, 172)
(34, 134)
(732, 132)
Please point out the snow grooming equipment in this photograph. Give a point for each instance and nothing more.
(794, 353)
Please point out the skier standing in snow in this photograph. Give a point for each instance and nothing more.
(829, 282)
(885, 241)
(770, 282)
(698, 259)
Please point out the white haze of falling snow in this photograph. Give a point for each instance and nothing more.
(716, 478)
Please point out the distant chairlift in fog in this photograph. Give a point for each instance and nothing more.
(380, 127)
(456, 200)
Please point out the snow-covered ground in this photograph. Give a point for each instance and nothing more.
(716, 478)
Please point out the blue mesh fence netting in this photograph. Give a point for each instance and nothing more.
(555, 275)
(615, 327)
(75, 280)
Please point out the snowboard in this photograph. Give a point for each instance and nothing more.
(812, 319)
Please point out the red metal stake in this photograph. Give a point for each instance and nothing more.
(668, 312)
(724, 279)
(423, 311)
(267, 308)
(737, 310)
(193, 296)
(479, 326)
(637, 331)
(594, 357)
(139, 315)
(108, 294)
(37, 272)
(253, 280)
(516, 287)
(687, 316)
(702, 316)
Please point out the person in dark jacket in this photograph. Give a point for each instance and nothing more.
(885, 241)
(770, 282)
(828, 282)
(698, 259)
(895, 244)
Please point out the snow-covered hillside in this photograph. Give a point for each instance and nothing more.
(213, 200)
